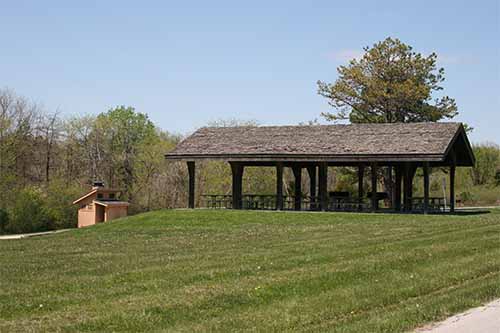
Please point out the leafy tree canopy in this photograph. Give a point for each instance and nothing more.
(126, 128)
(124, 132)
(390, 83)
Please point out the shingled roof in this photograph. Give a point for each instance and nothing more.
(370, 142)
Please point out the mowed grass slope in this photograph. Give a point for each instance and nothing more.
(226, 270)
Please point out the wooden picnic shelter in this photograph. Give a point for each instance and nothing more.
(400, 147)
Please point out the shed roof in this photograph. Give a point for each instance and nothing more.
(355, 142)
(109, 203)
(95, 190)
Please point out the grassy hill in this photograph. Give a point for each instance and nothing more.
(226, 270)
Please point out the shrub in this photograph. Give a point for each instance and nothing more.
(485, 195)
(4, 220)
(487, 162)
(29, 213)
(58, 201)
(466, 196)
(34, 209)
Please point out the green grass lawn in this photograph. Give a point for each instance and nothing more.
(263, 271)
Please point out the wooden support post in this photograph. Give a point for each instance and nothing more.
(452, 189)
(453, 161)
(311, 170)
(407, 184)
(413, 171)
(237, 171)
(361, 173)
(297, 173)
(409, 174)
(397, 189)
(389, 187)
(279, 186)
(426, 187)
(191, 173)
(323, 186)
(374, 205)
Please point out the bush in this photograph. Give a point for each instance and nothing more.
(466, 196)
(487, 163)
(35, 209)
(58, 200)
(485, 195)
(4, 220)
(29, 213)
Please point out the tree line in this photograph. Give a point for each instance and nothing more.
(47, 160)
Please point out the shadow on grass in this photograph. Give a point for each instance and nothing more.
(471, 211)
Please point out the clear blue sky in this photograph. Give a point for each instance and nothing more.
(186, 63)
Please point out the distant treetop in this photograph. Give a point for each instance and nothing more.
(389, 83)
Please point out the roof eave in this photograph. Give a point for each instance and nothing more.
(85, 196)
(114, 204)
(310, 157)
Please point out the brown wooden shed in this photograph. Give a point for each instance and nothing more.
(400, 147)
(100, 205)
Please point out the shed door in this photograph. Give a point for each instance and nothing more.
(99, 213)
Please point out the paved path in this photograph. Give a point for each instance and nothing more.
(478, 207)
(19, 236)
(484, 319)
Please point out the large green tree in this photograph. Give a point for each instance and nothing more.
(389, 83)
(122, 133)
